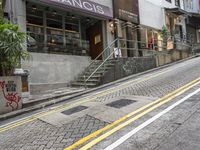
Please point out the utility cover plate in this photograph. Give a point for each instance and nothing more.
(121, 103)
(74, 110)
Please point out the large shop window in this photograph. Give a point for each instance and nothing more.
(35, 30)
(52, 32)
(72, 33)
(150, 40)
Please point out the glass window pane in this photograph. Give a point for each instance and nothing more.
(54, 20)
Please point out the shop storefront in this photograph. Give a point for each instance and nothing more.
(55, 29)
(63, 36)
(150, 39)
(176, 26)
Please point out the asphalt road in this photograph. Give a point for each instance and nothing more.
(173, 126)
(121, 116)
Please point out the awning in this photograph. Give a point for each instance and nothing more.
(194, 19)
(177, 11)
(83, 6)
(196, 15)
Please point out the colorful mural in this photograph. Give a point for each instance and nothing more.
(10, 95)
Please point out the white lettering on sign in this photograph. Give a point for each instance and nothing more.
(79, 4)
(87, 6)
(83, 4)
(100, 9)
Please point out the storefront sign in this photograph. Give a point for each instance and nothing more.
(84, 5)
(126, 10)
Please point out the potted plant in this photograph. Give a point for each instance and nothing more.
(12, 51)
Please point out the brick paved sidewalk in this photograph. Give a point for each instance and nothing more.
(61, 129)
(50, 94)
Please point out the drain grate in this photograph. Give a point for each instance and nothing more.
(121, 103)
(74, 110)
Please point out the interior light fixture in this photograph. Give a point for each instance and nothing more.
(88, 19)
(54, 12)
(73, 16)
(34, 7)
(111, 25)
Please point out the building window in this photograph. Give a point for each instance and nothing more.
(177, 3)
(52, 31)
(35, 29)
(169, 1)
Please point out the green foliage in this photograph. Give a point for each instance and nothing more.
(164, 31)
(12, 47)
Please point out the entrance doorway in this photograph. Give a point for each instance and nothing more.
(95, 36)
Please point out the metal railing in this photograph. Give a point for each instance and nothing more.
(153, 51)
(103, 52)
(114, 51)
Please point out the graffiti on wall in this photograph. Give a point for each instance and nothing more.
(10, 95)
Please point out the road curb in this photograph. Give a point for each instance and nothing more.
(63, 98)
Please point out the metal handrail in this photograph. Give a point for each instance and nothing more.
(99, 66)
(136, 42)
(110, 56)
(101, 54)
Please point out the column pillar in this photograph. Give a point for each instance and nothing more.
(131, 40)
(18, 13)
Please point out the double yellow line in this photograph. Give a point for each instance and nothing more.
(76, 103)
(126, 120)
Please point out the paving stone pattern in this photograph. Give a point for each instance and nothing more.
(120, 103)
(176, 130)
(158, 86)
(39, 135)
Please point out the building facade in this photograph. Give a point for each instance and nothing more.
(63, 36)
(126, 20)
(193, 19)
(154, 15)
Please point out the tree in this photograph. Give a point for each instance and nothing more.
(12, 47)
(165, 35)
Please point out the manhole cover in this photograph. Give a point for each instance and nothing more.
(74, 110)
(121, 103)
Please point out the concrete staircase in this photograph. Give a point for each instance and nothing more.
(95, 80)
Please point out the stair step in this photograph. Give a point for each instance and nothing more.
(101, 68)
(96, 73)
(86, 76)
(95, 79)
(90, 80)
(84, 84)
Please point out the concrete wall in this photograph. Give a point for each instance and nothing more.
(128, 66)
(54, 69)
(17, 12)
(151, 14)
(172, 56)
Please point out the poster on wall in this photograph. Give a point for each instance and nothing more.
(126, 10)
(170, 44)
(10, 94)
